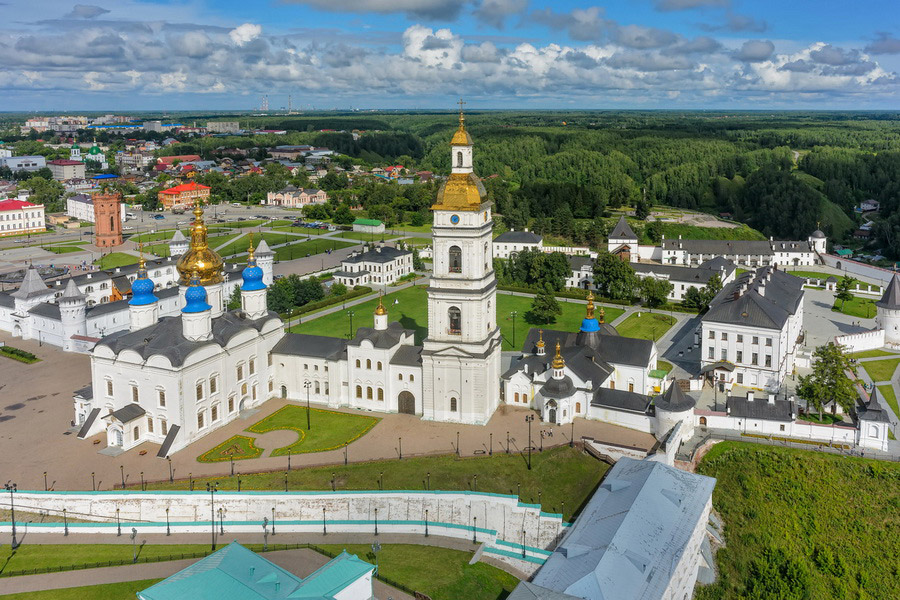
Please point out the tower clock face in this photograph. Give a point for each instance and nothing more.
(454, 219)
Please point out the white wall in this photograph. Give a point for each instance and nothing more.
(857, 342)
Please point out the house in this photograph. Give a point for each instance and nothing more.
(869, 205)
(381, 265)
(292, 196)
(21, 216)
(168, 161)
(184, 195)
(507, 245)
(684, 278)
(368, 226)
(748, 254)
(81, 207)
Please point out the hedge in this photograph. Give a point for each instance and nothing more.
(19, 355)
(356, 292)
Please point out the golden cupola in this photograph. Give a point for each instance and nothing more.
(462, 190)
(461, 137)
(558, 361)
(200, 258)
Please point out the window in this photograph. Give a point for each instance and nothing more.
(452, 404)
(200, 391)
(455, 256)
(305, 367)
(455, 319)
(630, 386)
(215, 413)
(252, 366)
(381, 394)
(369, 393)
(755, 339)
(271, 385)
(724, 336)
(317, 387)
(516, 399)
(315, 367)
(724, 354)
(740, 378)
(577, 407)
(768, 360)
(269, 360)
(712, 335)
(368, 363)
(213, 384)
(740, 356)
(137, 433)
(379, 365)
(769, 342)
(459, 159)
(161, 396)
(200, 420)
(240, 372)
(254, 391)
(711, 353)
(755, 359)
(134, 393)
(231, 404)
(357, 363)
(781, 427)
(149, 424)
(359, 391)
(400, 376)
(164, 427)
(109, 388)
(612, 385)
(243, 389)
(412, 377)
(740, 338)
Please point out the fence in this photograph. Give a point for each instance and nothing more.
(797, 445)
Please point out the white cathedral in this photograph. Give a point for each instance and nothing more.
(174, 379)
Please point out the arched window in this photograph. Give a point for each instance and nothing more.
(577, 407)
(381, 394)
(317, 387)
(112, 223)
(200, 420)
(368, 363)
(137, 433)
(452, 404)
(400, 376)
(357, 363)
(487, 256)
(516, 399)
(455, 255)
(455, 319)
(379, 365)
(412, 377)
(359, 391)
(369, 393)
(459, 159)
(231, 402)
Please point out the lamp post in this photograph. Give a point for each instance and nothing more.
(118, 524)
(475, 483)
(457, 444)
(426, 522)
(171, 471)
(221, 521)
(231, 459)
(273, 520)
(11, 488)
(400, 447)
(307, 384)
(142, 481)
(212, 489)
(474, 530)
(324, 530)
(514, 314)
(65, 523)
(375, 548)
(93, 482)
(345, 452)
(350, 314)
(523, 543)
(507, 442)
(332, 481)
(572, 437)
(428, 480)
(168, 527)
(491, 445)
(376, 521)
(45, 481)
(133, 545)
(285, 481)
(381, 480)
(529, 419)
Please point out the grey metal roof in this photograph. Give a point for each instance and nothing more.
(721, 247)
(87, 392)
(165, 337)
(31, 286)
(178, 236)
(698, 275)
(529, 591)
(314, 346)
(387, 338)
(381, 254)
(46, 309)
(558, 388)
(761, 408)
(72, 292)
(577, 262)
(891, 297)
(631, 535)
(108, 307)
(621, 400)
(764, 298)
(608, 348)
(7, 301)
(407, 356)
(518, 237)
(818, 234)
(129, 412)
(262, 249)
(873, 409)
(623, 230)
(674, 399)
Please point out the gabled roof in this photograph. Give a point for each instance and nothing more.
(529, 591)
(764, 298)
(873, 410)
(32, 285)
(380, 254)
(623, 230)
(332, 577)
(891, 297)
(760, 408)
(14, 204)
(316, 346)
(129, 413)
(674, 399)
(621, 400)
(518, 237)
(185, 187)
(387, 338)
(407, 356)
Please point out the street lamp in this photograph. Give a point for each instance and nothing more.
(65, 523)
(221, 521)
(168, 528)
(514, 314)
(375, 549)
(307, 384)
(11, 487)
(350, 314)
(265, 526)
(118, 524)
(529, 419)
(212, 489)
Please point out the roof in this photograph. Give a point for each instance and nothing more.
(369, 222)
(631, 535)
(558, 388)
(386, 338)
(13, 204)
(407, 356)
(262, 249)
(47, 310)
(621, 400)
(31, 286)
(698, 275)
(764, 298)
(579, 261)
(760, 408)
(165, 337)
(518, 237)
(529, 591)
(185, 187)
(178, 237)
(818, 234)
(64, 162)
(87, 392)
(7, 301)
(873, 409)
(315, 346)
(674, 399)
(381, 254)
(623, 230)
(607, 348)
(167, 160)
(891, 297)
(332, 577)
(129, 412)
(722, 247)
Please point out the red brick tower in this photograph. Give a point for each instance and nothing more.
(107, 220)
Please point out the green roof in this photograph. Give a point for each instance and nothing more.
(333, 576)
(845, 252)
(372, 222)
(658, 374)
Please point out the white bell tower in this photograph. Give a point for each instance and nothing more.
(461, 355)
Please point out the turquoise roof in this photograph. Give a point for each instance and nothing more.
(589, 325)
(235, 572)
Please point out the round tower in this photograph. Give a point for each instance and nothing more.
(143, 307)
(541, 346)
(818, 241)
(107, 220)
(178, 245)
(888, 312)
(253, 290)
(673, 407)
(73, 314)
(265, 258)
(381, 316)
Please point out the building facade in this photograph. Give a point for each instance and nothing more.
(294, 197)
(108, 220)
(24, 163)
(19, 216)
(81, 207)
(382, 265)
(184, 195)
(746, 253)
(65, 169)
(511, 243)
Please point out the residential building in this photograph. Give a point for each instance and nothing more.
(65, 169)
(368, 226)
(223, 126)
(750, 333)
(184, 195)
(382, 265)
(20, 216)
(81, 207)
(293, 197)
(512, 242)
(168, 161)
(746, 253)
(24, 163)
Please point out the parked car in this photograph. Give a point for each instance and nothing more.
(130, 215)
(128, 228)
(158, 217)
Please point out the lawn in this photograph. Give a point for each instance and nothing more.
(40, 556)
(412, 311)
(300, 230)
(887, 392)
(116, 259)
(237, 447)
(237, 224)
(664, 365)
(857, 307)
(645, 325)
(109, 591)
(156, 236)
(562, 475)
(367, 237)
(328, 429)
(301, 249)
(440, 573)
(802, 524)
(880, 370)
(63, 249)
(871, 354)
(417, 242)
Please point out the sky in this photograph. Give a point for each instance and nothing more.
(56, 55)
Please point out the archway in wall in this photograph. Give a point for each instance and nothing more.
(406, 403)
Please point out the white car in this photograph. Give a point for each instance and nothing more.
(128, 228)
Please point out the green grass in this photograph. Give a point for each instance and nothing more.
(829, 520)
(237, 447)
(328, 430)
(647, 326)
(300, 230)
(40, 556)
(887, 392)
(440, 573)
(107, 591)
(156, 236)
(63, 249)
(417, 242)
(871, 354)
(563, 475)
(694, 232)
(857, 307)
(412, 313)
(238, 224)
(116, 259)
(367, 237)
(881, 370)
(664, 365)
(301, 249)
(825, 419)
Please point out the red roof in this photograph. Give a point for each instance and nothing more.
(168, 160)
(14, 205)
(185, 187)
(64, 162)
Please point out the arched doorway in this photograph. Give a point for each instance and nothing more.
(551, 411)
(406, 403)
(284, 391)
(702, 421)
(242, 405)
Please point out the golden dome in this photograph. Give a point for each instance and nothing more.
(461, 191)
(200, 258)
(380, 309)
(461, 137)
(558, 362)
(590, 305)
(540, 342)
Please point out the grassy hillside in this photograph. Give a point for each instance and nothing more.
(804, 525)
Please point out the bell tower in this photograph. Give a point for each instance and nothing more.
(461, 355)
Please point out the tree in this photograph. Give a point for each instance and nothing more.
(844, 285)
(642, 210)
(280, 297)
(710, 290)
(418, 263)
(338, 289)
(343, 216)
(234, 301)
(828, 381)
(654, 292)
(693, 298)
(544, 309)
(654, 231)
(614, 277)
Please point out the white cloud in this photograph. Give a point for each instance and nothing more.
(86, 11)
(429, 9)
(245, 33)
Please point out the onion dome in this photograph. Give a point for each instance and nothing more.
(380, 309)
(142, 288)
(461, 137)
(540, 343)
(589, 323)
(558, 362)
(200, 258)
(195, 296)
(252, 274)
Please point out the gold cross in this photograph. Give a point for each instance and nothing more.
(461, 118)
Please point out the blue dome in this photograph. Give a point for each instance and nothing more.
(142, 291)
(589, 325)
(253, 278)
(195, 299)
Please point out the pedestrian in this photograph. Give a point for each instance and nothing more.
(551, 432)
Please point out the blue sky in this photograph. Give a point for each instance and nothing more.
(680, 54)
